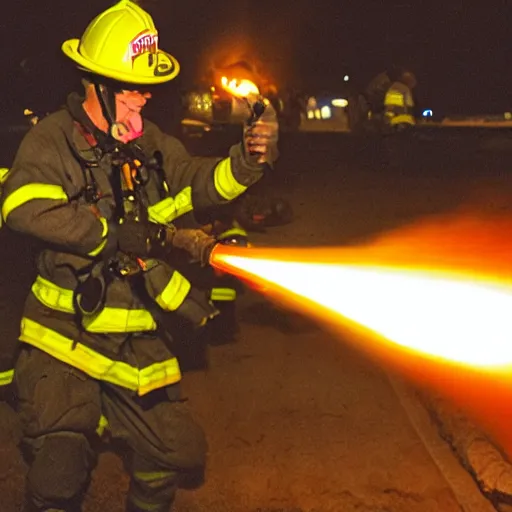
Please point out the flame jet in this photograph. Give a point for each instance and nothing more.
(435, 299)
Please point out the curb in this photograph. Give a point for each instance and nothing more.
(477, 452)
(468, 494)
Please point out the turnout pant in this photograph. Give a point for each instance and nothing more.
(60, 409)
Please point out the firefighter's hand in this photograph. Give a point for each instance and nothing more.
(194, 241)
(139, 238)
(260, 138)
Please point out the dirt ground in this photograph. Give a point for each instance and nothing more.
(299, 420)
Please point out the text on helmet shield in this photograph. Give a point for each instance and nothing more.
(145, 42)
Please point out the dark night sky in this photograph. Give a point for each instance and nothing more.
(460, 52)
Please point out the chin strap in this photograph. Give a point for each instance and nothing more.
(107, 99)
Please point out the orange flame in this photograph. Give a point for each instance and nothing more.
(436, 313)
(438, 293)
(240, 88)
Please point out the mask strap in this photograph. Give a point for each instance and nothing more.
(107, 101)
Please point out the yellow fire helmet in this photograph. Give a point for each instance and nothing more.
(122, 44)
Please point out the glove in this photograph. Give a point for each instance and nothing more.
(194, 241)
(260, 138)
(140, 239)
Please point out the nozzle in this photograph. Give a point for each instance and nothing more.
(220, 250)
(211, 256)
(257, 108)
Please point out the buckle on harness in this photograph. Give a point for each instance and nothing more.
(124, 269)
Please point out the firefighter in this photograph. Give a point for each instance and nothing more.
(6, 370)
(100, 187)
(373, 103)
(399, 102)
(375, 92)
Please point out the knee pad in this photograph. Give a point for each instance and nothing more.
(60, 469)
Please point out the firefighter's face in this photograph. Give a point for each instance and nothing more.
(129, 105)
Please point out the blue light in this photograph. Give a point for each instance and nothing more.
(428, 113)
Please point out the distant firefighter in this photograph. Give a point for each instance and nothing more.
(390, 99)
(399, 102)
(376, 92)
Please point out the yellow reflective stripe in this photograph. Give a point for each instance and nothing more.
(170, 208)
(161, 212)
(143, 505)
(167, 372)
(232, 232)
(395, 99)
(174, 293)
(153, 476)
(4, 171)
(98, 249)
(403, 119)
(32, 191)
(53, 296)
(102, 426)
(94, 364)
(119, 320)
(183, 201)
(223, 294)
(104, 234)
(225, 183)
(97, 365)
(114, 320)
(6, 377)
